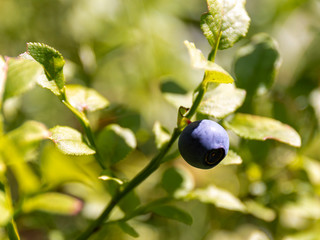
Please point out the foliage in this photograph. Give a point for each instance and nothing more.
(89, 123)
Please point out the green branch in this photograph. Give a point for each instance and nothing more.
(154, 163)
(87, 129)
(141, 176)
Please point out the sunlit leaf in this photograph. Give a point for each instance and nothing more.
(297, 214)
(21, 76)
(222, 101)
(178, 100)
(51, 60)
(257, 63)
(52, 202)
(27, 136)
(225, 18)
(231, 158)
(260, 211)
(115, 143)
(174, 213)
(262, 128)
(58, 168)
(28, 181)
(70, 141)
(213, 72)
(177, 182)
(50, 85)
(219, 197)
(128, 229)
(162, 135)
(85, 99)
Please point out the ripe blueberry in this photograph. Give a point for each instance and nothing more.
(203, 144)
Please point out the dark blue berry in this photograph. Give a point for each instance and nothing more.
(203, 144)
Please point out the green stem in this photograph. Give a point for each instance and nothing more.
(146, 172)
(139, 178)
(214, 51)
(201, 91)
(87, 129)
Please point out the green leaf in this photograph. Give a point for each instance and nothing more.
(51, 60)
(50, 85)
(27, 136)
(257, 63)
(5, 209)
(21, 76)
(178, 100)
(130, 202)
(213, 72)
(85, 99)
(70, 141)
(115, 143)
(262, 128)
(27, 180)
(58, 168)
(227, 20)
(174, 213)
(222, 101)
(231, 158)
(219, 197)
(162, 135)
(260, 211)
(52, 202)
(177, 182)
(128, 229)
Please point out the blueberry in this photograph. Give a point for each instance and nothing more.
(203, 144)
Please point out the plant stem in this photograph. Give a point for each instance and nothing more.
(139, 178)
(201, 91)
(87, 129)
(147, 171)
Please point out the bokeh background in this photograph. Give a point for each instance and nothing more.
(125, 49)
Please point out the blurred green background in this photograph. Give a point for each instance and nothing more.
(125, 49)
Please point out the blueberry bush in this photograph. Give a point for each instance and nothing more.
(114, 124)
